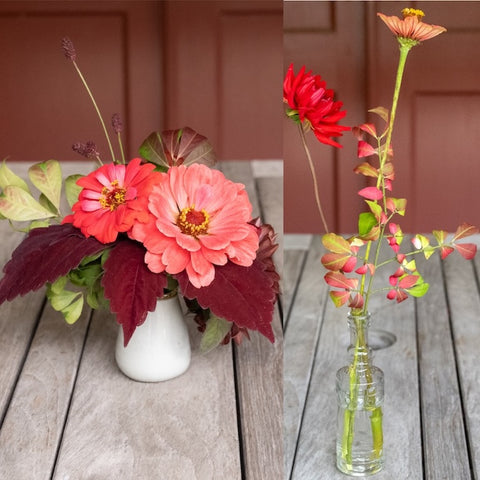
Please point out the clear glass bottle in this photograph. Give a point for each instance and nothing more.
(360, 402)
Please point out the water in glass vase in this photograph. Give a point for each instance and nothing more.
(359, 427)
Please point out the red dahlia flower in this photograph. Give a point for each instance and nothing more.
(198, 219)
(113, 198)
(310, 102)
(411, 27)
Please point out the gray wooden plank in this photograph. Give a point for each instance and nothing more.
(18, 320)
(33, 426)
(260, 386)
(270, 194)
(315, 457)
(117, 428)
(464, 301)
(300, 342)
(293, 262)
(444, 443)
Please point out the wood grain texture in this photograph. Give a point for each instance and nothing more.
(292, 269)
(464, 300)
(444, 443)
(258, 366)
(301, 336)
(18, 321)
(33, 426)
(118, 428)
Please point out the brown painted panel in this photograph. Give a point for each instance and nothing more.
(223, 67)
(45, 108)
(250, 107)
(445, 172)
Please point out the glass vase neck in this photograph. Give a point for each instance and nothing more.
(358, 349)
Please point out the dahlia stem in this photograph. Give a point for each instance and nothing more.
(314, 177)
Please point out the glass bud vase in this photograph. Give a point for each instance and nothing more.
(359, 389)
(159, 348)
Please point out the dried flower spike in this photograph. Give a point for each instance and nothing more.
(69, 49)
(87, 150)
(117, 123)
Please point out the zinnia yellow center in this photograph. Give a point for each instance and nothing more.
(112, 197)
(412, 12)
(193, 222)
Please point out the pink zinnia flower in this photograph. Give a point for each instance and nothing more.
(311, 103)
(198, 219)
(113, 198)
(411, 27)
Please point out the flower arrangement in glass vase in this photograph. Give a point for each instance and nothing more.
(141, 230)
(353, 262)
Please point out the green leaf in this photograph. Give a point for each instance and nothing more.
(73, 311)
(215, 332)
(18, 205)
(440, 236)
(47, 177)
(58, 285)
(72, 190)
(46, 203)
(37, 224)
(366, 222)
(70, 304)
(376, 209)
(62, 299)
(418, 290)
(7, 177)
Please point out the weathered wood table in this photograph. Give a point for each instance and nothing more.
(66, 411)
(432, 374)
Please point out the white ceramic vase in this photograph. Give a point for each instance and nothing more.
(159, 348)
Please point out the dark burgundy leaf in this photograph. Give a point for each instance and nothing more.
(267, 247)
(43, 256)
(130, 286)
(242, 295)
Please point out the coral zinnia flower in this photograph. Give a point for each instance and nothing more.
(198, 219)
(310, 101)
(411, 27)
(112, 199)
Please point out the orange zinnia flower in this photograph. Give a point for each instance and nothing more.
(411, 27)
(113, 198)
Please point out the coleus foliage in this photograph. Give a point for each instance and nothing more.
(352, 262)
(50, 253)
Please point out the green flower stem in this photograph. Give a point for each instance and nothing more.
(96, 109)
(349, 415)
(404, 49)
(314, 177)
